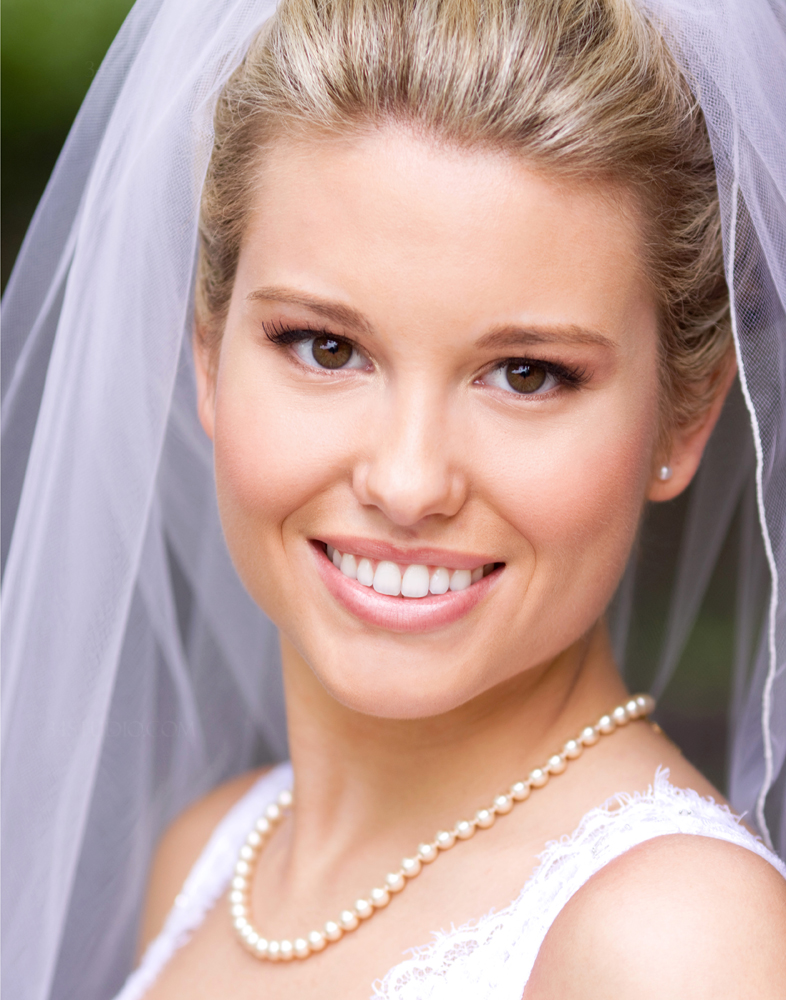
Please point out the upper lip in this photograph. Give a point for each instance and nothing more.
(372, 548)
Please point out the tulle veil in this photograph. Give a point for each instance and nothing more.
(137, 673)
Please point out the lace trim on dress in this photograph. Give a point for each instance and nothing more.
(487, 959)
(494, 956)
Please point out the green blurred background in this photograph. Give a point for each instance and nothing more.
(51, 50)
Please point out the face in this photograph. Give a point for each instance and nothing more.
(439, 371)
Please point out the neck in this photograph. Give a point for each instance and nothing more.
(359, 777)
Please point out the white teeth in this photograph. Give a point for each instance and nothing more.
(460, 579)
(365, 573)
(348, 566)
(440, 581)
(387, 579)
(415, 581)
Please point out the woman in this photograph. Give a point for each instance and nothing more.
(461, 314)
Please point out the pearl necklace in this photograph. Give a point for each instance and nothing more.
(273, 951)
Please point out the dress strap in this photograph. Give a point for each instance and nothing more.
(206, 881)
(492, 958)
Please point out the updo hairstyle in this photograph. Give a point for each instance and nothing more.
(583, 89)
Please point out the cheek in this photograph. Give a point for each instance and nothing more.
(272, 458)
(576, 496)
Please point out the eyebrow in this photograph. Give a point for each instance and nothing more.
(334, 311)
(502, 338)
(526, 336)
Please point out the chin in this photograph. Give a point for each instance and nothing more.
(425, 687)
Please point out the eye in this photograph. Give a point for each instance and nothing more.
(326, 351)
(527, 378)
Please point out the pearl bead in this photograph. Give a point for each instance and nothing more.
(503, 804)
(394, 881)
(589, 736)
(632, 708)
(240, 922)
(445, 839)
(606, 725)
(348, 920)
(251, 937)
(287, 951)
(273, 813)
(261, 946)
(263, 826)
(411, 867)
(465, 829)
(316, 941)
(273, 951)
(285, 800)
(236, 896)
(556, 764)
(572, 749)
(242, 868)
(238, 882)
(538, 777)
(363, 908)
(427, 852)
(620, 715)
(332, 931)
(238, 910)
(520, 791)
(302, 948)
(646, 703)
(254, 839)
(247, 853)
(380, 898)
(484, 818)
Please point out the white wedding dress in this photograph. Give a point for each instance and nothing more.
(493, 956)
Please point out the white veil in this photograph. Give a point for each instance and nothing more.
(137, 673)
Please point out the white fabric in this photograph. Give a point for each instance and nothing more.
(137, 673)
(493, 956)
(733, 53)
(207, 880)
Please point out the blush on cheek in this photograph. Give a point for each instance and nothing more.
(579, 507)
(273, 459)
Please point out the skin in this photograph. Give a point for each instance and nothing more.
(440, 265)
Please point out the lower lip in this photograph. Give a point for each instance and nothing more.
(401, 614)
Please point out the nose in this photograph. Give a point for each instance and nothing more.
(409, 470)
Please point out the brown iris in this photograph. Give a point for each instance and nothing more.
(330, 352)
(524, 376)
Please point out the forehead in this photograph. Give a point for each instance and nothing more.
(394, 221)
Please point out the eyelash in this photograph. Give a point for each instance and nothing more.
(285, 336)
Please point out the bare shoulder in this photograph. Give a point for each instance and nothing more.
(677, 916)
(181, 845)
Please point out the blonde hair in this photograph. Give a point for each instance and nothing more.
(582, 88)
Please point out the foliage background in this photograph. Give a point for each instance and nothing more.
(51, 50)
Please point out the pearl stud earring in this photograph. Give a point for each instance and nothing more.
(664, 473)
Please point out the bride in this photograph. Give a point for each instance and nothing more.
(469, 292)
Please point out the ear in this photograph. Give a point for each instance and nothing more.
(687, 446)
(206, 370)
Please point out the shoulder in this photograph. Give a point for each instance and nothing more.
(679, 915)
(181, 845)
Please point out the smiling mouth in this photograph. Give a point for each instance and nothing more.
(411, 580)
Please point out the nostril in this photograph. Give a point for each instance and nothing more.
(408, 490)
